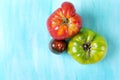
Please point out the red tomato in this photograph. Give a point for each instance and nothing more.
(64, 22)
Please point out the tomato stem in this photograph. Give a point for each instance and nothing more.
(65, 20)
(87, 47)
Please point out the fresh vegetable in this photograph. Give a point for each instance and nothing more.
(58, 46)
(87, 47)
(64, 22)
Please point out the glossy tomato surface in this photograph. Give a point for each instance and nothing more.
(64, 22)
(58, 46)
(87, 47)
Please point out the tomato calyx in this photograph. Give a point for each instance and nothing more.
(65, 21)
(86, 47)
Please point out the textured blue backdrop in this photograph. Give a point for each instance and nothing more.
(24, 53)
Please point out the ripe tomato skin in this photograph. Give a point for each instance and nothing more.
(64, 22)
(87, 47)
(58, 46)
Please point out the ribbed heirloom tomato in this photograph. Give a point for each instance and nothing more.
(64, 22)
(87, 47)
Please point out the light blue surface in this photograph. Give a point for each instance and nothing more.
(24, 53)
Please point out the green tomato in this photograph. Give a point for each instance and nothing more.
(87, 47)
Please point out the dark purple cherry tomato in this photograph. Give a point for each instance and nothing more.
(58, 46)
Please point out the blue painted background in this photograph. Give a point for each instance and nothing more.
(24, 53)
